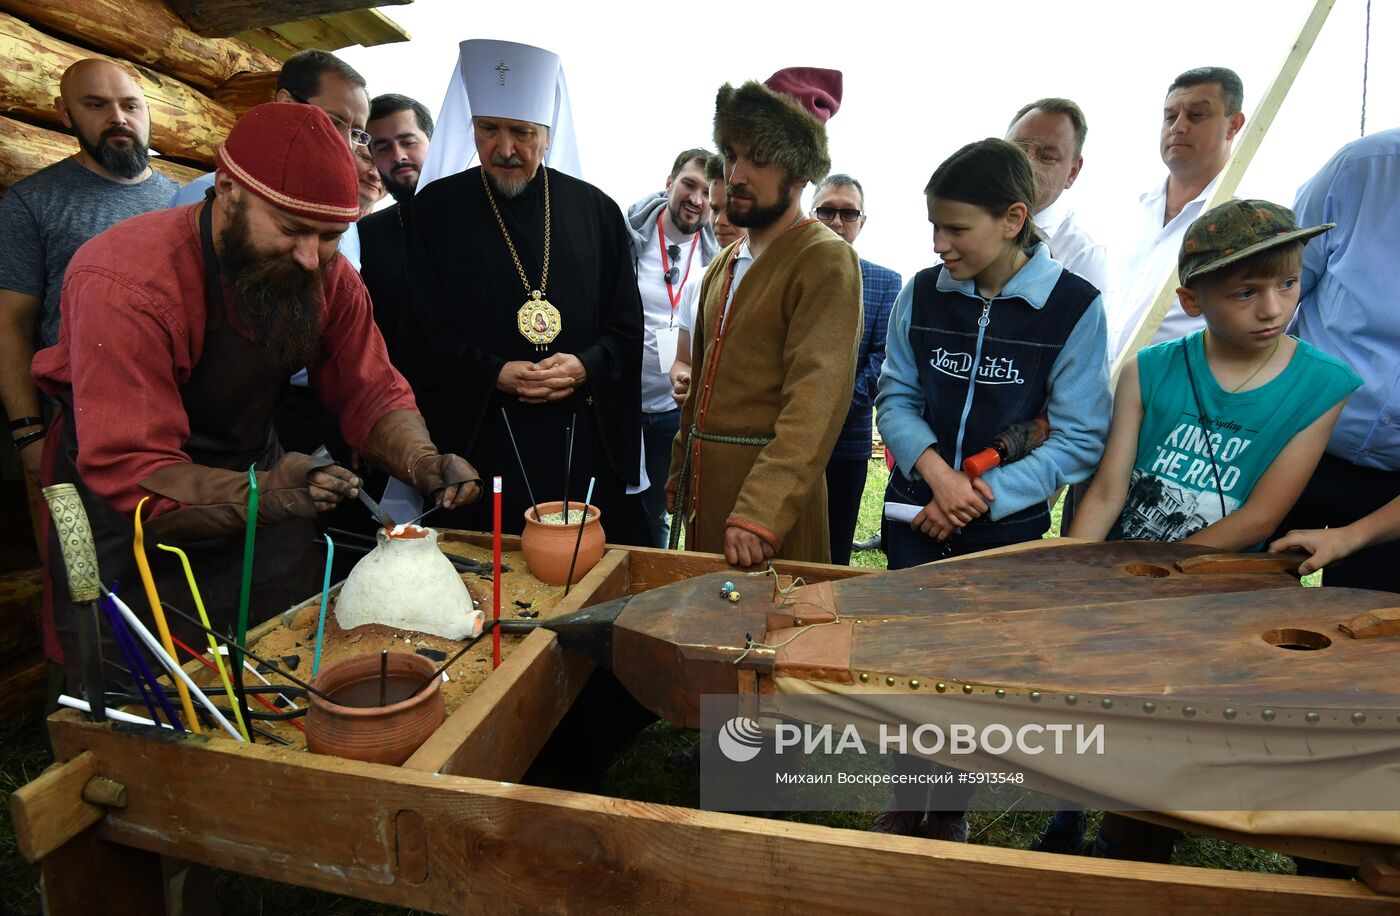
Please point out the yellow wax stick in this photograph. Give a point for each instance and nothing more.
(213, 645)
(138, 547)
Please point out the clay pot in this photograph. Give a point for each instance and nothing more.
(406, 583)
(378, 734)
(548, 548)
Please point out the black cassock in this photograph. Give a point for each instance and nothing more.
(466, 295)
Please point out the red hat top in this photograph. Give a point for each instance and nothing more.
(292, 156)
(815, 89)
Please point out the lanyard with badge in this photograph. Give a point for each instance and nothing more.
(668, 337)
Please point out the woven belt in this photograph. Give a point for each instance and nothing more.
(683, 489)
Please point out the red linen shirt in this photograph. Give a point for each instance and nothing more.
(133, 330)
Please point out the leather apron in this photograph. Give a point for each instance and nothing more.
(229, 399)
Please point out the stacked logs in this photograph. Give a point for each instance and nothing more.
(196, 87)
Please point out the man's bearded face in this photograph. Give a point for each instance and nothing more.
(275, 299)
(746, 209)
(511, 152)
(119, 150)
(687, 198)
(760, 191)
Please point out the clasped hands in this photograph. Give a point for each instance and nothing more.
(550, 379)
(957, 500)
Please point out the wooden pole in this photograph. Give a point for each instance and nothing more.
(25, 149)
(1245, 148)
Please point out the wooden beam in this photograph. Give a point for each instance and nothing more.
(270, 43)
(247, 90)
(368, 28)
(332, 824)
(50, 810)
(90, 875)
(147, 32)
(24, 149)
(184, 122)
(221, 18)
(1245, 147)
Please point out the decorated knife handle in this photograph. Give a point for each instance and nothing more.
(75, 540)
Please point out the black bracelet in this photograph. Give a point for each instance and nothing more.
(22, 422)
(29, 439)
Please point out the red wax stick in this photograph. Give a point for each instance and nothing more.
(496, 570)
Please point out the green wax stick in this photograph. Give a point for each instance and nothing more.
(248, 539)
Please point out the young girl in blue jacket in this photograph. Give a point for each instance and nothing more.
(996, 334)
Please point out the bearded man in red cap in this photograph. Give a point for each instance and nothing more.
(180, 329)
(774, 338)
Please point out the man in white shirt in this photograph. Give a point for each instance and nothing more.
(672, 242)
(1200, 119)
(1052, 133)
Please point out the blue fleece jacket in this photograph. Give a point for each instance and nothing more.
(1079, 409)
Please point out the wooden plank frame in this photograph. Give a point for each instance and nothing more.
(452, 832)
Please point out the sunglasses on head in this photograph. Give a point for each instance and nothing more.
(827, 214)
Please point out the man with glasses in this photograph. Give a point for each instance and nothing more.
(840, 204)
(1052, 133)
(672, 243)
(317, 78)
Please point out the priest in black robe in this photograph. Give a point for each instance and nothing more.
(480, 245)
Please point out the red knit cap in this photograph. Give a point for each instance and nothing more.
(292, 156)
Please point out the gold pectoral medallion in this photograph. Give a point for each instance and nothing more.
(538, 321)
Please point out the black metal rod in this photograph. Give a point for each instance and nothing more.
(232, 643)
(490, 625)
(569, 466)
(521, 461)
(383, 676)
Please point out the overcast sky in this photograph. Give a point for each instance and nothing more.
(920, 81)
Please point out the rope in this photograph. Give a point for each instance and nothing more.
(784, 592)
(1365, 67)
(683, 489)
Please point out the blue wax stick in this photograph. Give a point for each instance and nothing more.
(140, 669)
(117, 634)
(325, 594)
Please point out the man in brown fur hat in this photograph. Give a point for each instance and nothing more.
(775, 336)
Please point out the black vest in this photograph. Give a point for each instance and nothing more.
(983, 365)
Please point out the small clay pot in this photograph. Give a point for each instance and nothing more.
(549, 548)
(379, 734)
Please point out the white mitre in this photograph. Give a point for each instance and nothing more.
(501, 79)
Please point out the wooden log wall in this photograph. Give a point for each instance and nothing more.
(195, 87)
(145, 32)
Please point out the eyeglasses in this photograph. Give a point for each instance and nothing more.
(827, 214)
(354, 135)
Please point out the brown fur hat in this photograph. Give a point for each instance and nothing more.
(785, 118)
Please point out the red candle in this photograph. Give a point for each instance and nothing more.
(496, 569)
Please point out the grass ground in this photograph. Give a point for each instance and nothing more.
(640, 773)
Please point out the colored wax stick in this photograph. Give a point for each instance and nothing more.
(183, 681)
(568, 582)
(199, 657)
(123, 634)
(325, 594)
(114, 622)
(246, 589)
(143, 566)
(496, 567)
(213, 646)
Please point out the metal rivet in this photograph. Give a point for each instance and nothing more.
(1106, 703)
(1001, 694)
(1268, 715)
(913, 685)
(864, 676)
(1312, 718)
(1229, 712)
(1071, 699)
(1358, 718)
(1149, 707)
(967, 688)
(1035, 696)
(797, 622)
(940, 686)
(889, 681)
(1188, 711)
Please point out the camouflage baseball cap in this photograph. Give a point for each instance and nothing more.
(1235, 230)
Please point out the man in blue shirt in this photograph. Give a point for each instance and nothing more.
(840, 204)
(1348, 309)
